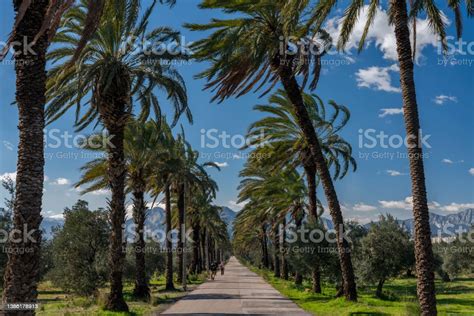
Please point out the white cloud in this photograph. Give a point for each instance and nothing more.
(471, 171)
(382, 34)
(100, 192)
(221, 164)
(6, 175)
(456, 207)
(8, 145)
(441, 99)
(405, 204)
(377, 78)
(390, 111)
(395, 173)
(61, 181)
(362, 207)
(236, 206)
(450, 162)
(56, 216)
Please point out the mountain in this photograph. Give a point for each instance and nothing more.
(441, 225)
(48, 224)
(445, 225)
(154, 223)
(228, 215)
(155, 218)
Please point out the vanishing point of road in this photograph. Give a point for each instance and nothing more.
(238, 292)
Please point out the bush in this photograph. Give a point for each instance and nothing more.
(79, 250)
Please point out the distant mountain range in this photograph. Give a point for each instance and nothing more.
(154, 222)
(441, 225)
(445, 225)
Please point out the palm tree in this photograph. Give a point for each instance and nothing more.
(189, 177)
(205, 217)
(272, 194)
(109, 73)
(35, 24)
(399, 18)
(143, 147)
(282, 132)
(22, 270)
(252, 49)
(163, 181)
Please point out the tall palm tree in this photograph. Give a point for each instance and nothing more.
(143, 148)
(35, 25)
(204, 216)
(272, 194)
(282, 132)
(251, 49)
(22, 270)
(110, 72)
(400, 18)
(189, 177)
(162, 181)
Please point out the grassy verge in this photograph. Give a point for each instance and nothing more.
(454, 298)
(54, 301)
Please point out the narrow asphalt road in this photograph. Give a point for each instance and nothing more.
(238, 292)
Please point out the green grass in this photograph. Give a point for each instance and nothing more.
(54, 301)
(454, 298)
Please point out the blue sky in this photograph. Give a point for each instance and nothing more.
(367, 83)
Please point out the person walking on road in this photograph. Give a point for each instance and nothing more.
(213, 268)
(221, 266)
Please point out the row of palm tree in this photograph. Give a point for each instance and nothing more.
(244, 54)
(277, 176)
(157, 164)
(98, 70)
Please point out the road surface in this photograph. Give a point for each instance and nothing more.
(238, 292)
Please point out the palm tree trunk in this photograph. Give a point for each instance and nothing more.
(294, 94)
(199, 263)
(276, 255)
(116, 176)
(196, 242)
(114, 116)
(422, 233)
(298, 274)
(181, 237)
(141, 290)
(169, 241)
(284, 262)
(206, 249)
(22, 270)
(298, 278)
(316, 279)
(310, 171)
(266, 261)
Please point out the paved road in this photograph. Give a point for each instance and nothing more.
(238, 292)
